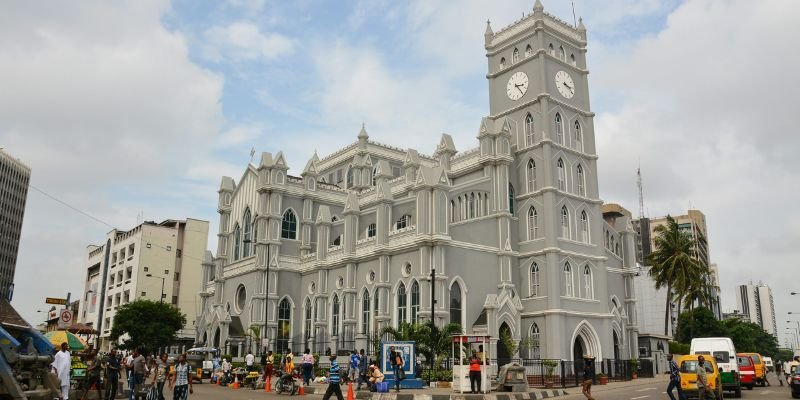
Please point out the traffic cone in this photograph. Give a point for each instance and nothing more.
(236, 382)
(302, 390)
(350, 395)
(269, 384)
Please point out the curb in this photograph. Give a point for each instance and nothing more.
(543, 394)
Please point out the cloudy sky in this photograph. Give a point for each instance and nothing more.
(132, 107)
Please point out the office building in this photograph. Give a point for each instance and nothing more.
(757, 306)
(14, 177)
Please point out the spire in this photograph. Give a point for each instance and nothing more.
(488, 28)
(488, 35)
(537, 6)
(363, 132)
(581, 28)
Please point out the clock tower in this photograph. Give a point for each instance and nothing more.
(538, 87)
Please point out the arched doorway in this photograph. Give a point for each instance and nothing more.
(205, 338)
(503, 356)
(577, 356)
(616, 346)
(216, 339)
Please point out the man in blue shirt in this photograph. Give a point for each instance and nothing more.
(355, 365)
(674, 378)
(333, 381)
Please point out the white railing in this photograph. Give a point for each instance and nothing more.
(410, 228)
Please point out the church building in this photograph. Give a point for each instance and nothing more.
(509, 234)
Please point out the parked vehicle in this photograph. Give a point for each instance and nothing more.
(794, 383)
(747, 370)
(199, 358)
(770, 365)
(723, 352)
(689, 366)
(760, 367)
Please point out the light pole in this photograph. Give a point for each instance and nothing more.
(794, 336)
(162, 285)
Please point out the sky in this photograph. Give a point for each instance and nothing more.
(126, 109)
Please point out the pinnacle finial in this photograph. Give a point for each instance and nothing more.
(538, 6)
(580, 24)
(489, 28)
(363, 132)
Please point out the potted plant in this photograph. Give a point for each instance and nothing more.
(634, 364)
(549, 367)
(602, 378)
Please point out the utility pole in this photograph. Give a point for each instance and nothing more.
(433, 307)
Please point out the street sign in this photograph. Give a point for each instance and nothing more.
(65, 318)
(54, 300)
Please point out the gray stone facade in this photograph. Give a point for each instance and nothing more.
(14, 177)
(512, 227)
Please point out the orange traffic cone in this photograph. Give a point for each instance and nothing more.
(302, 390)
(268, 384)
(236, 383)
(350, 395)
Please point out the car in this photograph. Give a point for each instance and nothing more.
(747, 370)
(723, 352)
(760, 367)
(688, 370)
(794, 382)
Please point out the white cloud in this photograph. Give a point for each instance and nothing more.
(240, 134)
(244, 41)
(102, 102)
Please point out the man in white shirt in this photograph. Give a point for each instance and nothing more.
(62, 363)
(249, 359)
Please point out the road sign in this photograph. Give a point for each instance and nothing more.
(65, 318)
(55, 300)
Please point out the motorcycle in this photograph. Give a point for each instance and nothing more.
(794, 383)
(287, 383)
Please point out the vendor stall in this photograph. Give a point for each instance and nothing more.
(462, 348)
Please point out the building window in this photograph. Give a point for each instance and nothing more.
(572, 59)
(533, 224)
(568, 280)
(236, 240)
(365, 311)
(528, 51)
(455, 304)
(534, 342)
(511, 196)
(452, 211)
(529, 130)
(588, 290)
(349, 177)
(559, 129)
(178, 253)
(247, 227)
(564, 222)
(371, 230)
(581, 181)
(471, 205)
(502, 62)
(307, 321)
(403, 222)
(584, 227)
(334, 219)
(284, 326)
(289, 225)
(241, 299)
(562, 54)
(402, 305)
(337, 241)
(562, 176)
(415, 302)
(335, 316)
(551, 50)
(578, 136)
(515, 56)
(534, 280)
(531, 175)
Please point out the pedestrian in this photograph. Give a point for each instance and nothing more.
(308, 367)
(249, 359)
(333, 380)
(226, 370)
(362, 372)
(475, 373)
(355, 365)
(588, 376)
(160, 377)
(181, 381)
(702, 379)
(779, 371)
(674, 379)
(112, 374)
(92, 375)
(396, 361)
(129, 373)
(268, 366)
(139, 370)
(62, 363)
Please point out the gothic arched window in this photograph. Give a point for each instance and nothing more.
(414, 302)
(584, 227)
(237, 238)
(551, 50)
(502, 62)
(529, 130)
(535, 343)
(307, 326)
(515, 56)
(533, 285)
(528, 51)
(533, 224)
(365, 312)
(564, 222)
(511, 196)
(289, 225)
(562, 176)
(588, 288)
(578, 136)
(568, 281)
(455, 304)
(562, 54)
(247, 225)
(572, 59)
(402, 305)
(531, 175)
(581, 181)
(335, 316)
(452, 211)
(559, 129)
(284, 326)
(471, 205)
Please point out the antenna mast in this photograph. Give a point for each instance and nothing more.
(641, 192)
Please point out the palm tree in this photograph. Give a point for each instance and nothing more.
(673, 263)
(253, 334)
(432, 342)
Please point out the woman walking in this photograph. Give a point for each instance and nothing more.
(308, 367)
(160, 377)
(181, 383)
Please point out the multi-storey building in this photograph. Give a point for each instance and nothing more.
(508, 235)
(757, 306)
(151, 261)
(14, 177)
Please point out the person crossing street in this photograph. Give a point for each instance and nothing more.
(333, 381)
(674, 379)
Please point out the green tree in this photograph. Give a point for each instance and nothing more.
(750, 338)
(148, 324)
(254, 335)
(432, 342)
(697, 323)
(672, 262)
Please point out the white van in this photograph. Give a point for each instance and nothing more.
(724, 353)
(770, 365)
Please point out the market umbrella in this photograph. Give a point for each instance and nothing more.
(58, 337)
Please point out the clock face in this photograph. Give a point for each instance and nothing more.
(517, 85)
(565, 84)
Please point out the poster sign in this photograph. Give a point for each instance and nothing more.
(54, 300)
(407, 352)
(65, 318)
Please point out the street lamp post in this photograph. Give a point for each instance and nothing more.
(162, 285)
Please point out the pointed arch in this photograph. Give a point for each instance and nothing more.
(581, 178)
(289, 225)
(578, 136)
(515, 56)
(534, 342)
(562, 54)
(588, 283)
(565, 222)
(502, 62)
(562, 175)
(533, 284)
(551, 50)
(284, 324)
(530, 171)
(414, 301)
(528, 128)
(528, 51)
(335, 315)
(308, 319)
(559, 129)
(584, 227)
(590, 339)
(456, 304)
(452, 211)
(366, 312)
(402, 304)
(511, 198)
(533, 224)
(471, 205)
(247, 228)
(568, 282)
